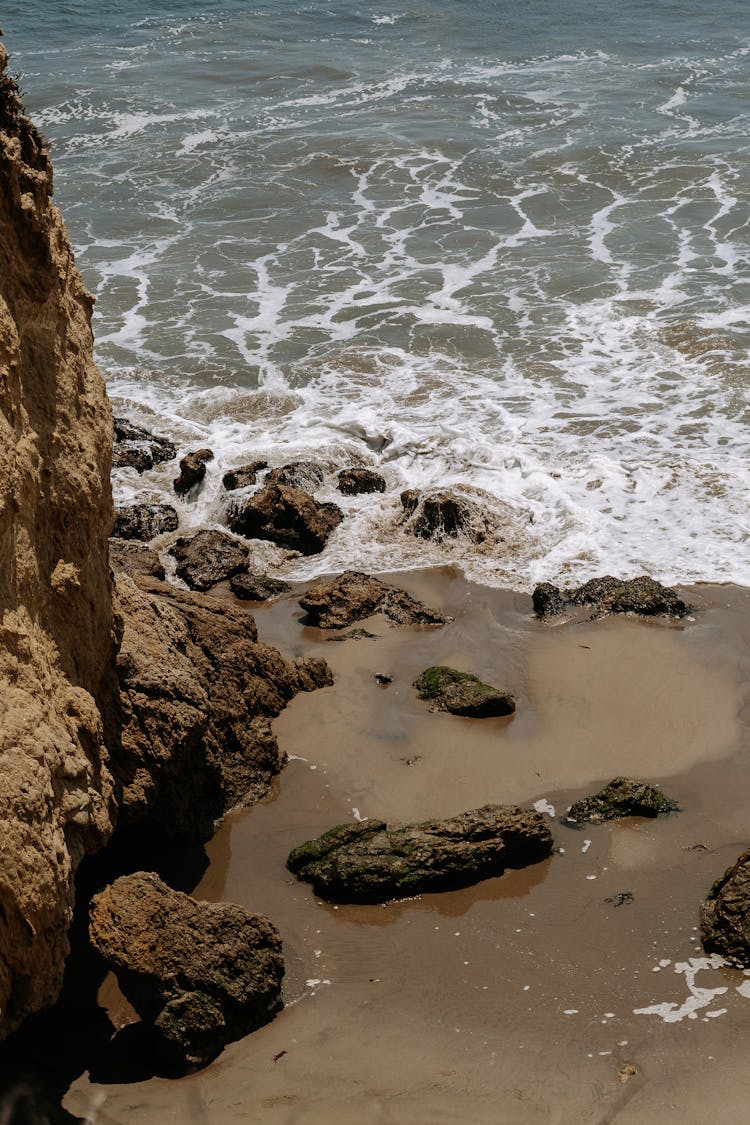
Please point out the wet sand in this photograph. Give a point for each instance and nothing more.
(519, 1000)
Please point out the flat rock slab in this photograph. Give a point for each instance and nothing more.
(461, 693)
(622, 797)
(207, 558)
(335, 603)
(644, 596)
(289, 517)
(369, 862)
(725, 914)
(199, 974)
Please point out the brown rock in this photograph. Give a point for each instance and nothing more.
(144, 521)
(257, 587)
(192, 470)
(208, 557)
(304, 475)
(354, 481)
(441, 515)
(243, 476)
(134, 557)
(56, 637)
(644, 596)
(288, 517)
(725, 915)
(201, 974)
(139, 449)
(334, 603)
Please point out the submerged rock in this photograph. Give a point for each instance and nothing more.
(462, 694)
(354, 481)
(134, 557)
(622, 797)
(725, 914)
(642, 595)
(337, 602)
(257, 587)
(144, 521)
(304, 475)
(139, 449)
(192, 470)
(243, 476)
(369, 862)
(200, 974)
(441, 515)
(208, 557)
(288, 517)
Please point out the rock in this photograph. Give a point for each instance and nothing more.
(368, 862)
(192, 470)
(643, 595)
(441, 515)
(133, 557)
(462, 694)
(144, 521)
(200, 974)
(725, 914)
(353, 635)
(622, 797)
(288, 517)
(244, 476)
(354, 481)
(257, 587)
(303, 475)
(139, 449)
(56, 628)
(335, 603)
(208, 557)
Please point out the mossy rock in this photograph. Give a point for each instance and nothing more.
(622, 797)
(725, 914)
(461, 693)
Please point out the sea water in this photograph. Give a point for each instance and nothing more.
(476, 245)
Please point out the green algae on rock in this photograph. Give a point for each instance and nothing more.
(725, 914)
(622, 797)
(643, 595)
(462, 693)
(369, 862)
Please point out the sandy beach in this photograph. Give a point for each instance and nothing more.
(575, 990)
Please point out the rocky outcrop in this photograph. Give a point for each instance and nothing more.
(243, 476)
(139, 449)
(725, 914)
(192, 470)
(461, 693)
(208, 557)
(200, 974)
(135, 558)
(337, 602)
(144, 521)
(190, 732)
(369, 862)
(622, 797)
(257, 587)
(351, 482)
(644, 596)
(288, 517)
(56, 637)
(443, 515)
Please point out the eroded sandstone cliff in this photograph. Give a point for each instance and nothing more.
(55, 592)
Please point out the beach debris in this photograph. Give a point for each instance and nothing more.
(441, 515)
(334, 603)
(725, 914)
(257, 587)
(620, 899)
(208, 557)
(139, 449)
(370, 862)
(243, 476)
(643, 595)
(351, 482)
(287, 516)
(382, 679)
(199, 974)
(462, 693)
(626, 1072)
(305, 475)
(622, 797)
(192, 470)
(144, 521)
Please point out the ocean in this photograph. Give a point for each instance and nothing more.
(493, 248)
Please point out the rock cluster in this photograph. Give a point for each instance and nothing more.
(369, 862)
(644, 596)
(200, 974)
(352, 596)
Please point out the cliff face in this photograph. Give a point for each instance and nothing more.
(56, 639)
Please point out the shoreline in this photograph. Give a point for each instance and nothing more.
(495, 998)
